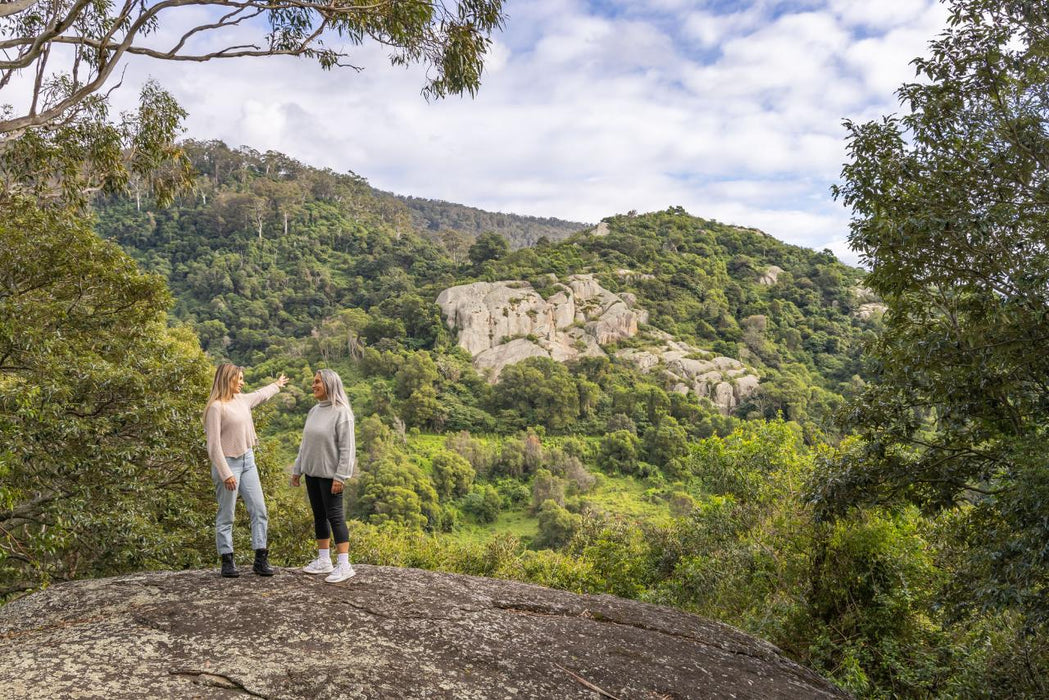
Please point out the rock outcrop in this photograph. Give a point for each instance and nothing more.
(387, 633)
(864, 295)
(625, 274)
(770, 276)
(723, 380)
(869, 311)
(501, 323)
(870, 305)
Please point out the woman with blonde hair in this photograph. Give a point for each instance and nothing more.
(327, 456)
(231, 437)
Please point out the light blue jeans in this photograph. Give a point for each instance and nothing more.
(250, 489)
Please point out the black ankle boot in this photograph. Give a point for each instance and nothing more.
(229, 569)
(262, 563)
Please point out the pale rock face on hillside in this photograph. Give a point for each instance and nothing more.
(869, 311)
(864, 295)
(771, 275)
(870, 304)
(502, 323)
(723, 380)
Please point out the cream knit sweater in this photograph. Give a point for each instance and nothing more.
(230, 429)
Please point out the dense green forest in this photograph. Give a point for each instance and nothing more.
(588, 475)
(876, 506)
(268, 258)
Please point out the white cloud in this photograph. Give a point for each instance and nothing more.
(883, 15)
(711, 29)
(883, 62)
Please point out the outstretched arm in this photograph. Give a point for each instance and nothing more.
(267, 392)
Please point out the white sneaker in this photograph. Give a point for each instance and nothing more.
(341, 573)
(319, 566)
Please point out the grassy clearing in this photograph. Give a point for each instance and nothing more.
(626, 495)
(515, 522)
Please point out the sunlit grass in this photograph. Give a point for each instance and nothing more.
(626, 495)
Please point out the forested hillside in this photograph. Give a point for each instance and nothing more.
(268, 257)
(591, 475)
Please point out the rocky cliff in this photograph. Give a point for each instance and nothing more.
(723, 380)
(501, 323)
(388, 633)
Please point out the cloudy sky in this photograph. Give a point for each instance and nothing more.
(732, 110)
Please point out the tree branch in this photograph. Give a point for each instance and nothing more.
(28, 508)
(101, 37)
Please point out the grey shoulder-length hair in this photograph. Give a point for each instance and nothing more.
(334, 389)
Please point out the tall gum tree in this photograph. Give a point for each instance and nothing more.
(101, 464)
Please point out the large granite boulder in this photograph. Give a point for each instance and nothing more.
(870, 304)
(871, 310)
(770, 276)
(490, 313)
(388, 633)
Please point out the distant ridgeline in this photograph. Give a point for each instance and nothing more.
(521, 231)
(274, 264)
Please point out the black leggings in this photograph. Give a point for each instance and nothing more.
(327, 508)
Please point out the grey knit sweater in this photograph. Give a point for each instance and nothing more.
(328, 449)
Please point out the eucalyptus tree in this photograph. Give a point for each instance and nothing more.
(60, 58)
(101, 461)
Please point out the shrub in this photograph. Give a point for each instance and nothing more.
(452, 474)
(483, 503)
(619, 453)
(556, 526)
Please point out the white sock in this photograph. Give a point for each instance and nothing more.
(324, 554)
(344, 558)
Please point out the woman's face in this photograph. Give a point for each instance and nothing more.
(238, 383)
(319, 392)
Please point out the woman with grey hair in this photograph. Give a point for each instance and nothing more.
(327, 456)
